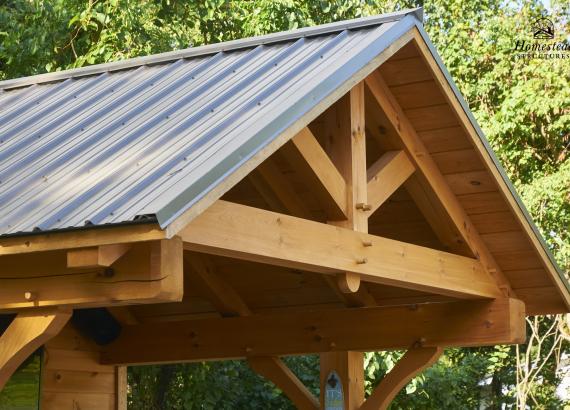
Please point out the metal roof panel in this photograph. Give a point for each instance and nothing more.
(132, 140)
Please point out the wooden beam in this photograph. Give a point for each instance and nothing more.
(273, 369)
(311, 161)
(463, 323)
(386, 175)
(81, 238)
(27, 332)
(282, 189)
(223, 297)
(151, 272)
(426, 165)
(416, 360)
(104, 255)
(243, 232)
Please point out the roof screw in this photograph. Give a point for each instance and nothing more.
(30, 296)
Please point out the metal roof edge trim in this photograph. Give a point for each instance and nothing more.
(491, 153)
(202, 187)
(211, 48)
(84, 228)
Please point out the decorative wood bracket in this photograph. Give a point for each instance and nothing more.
(28, 331)
(273, 369)
(409, 366)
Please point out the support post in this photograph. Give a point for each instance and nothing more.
(349, 367)
(28, 331)
(349, 155)
(409, 366)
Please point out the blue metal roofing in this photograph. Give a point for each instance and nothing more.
(148, 137)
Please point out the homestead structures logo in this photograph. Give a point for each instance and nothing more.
(542, 31)
(543, 28)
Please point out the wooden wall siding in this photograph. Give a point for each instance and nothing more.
(418, 94)
(72, 377)
(405, 71)
(399, 218)
(443, 140)
(482, 203)
(425, 105)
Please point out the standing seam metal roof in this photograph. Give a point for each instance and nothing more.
(148, 137)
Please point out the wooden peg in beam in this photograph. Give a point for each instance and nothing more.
(348, 282)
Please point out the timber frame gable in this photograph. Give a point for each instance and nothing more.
(378, 219)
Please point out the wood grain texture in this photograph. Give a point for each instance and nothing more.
(28, 331)
(465, 323)
(74, 378)
(150, 272)
(441, 185)
(242, 232)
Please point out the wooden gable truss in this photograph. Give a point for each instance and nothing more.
(303, 228)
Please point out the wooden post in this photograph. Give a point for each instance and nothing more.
(121, 387)
(348, 152)
(349, 367)
(27, 332)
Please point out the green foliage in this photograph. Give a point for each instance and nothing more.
(214, 385)
(522, 105)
